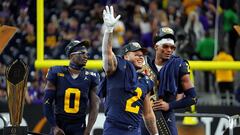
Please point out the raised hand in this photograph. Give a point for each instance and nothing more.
(109, 20)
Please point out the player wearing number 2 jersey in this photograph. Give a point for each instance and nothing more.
(72, 88)
(126, 92)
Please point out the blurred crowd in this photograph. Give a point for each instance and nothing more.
(193, 21)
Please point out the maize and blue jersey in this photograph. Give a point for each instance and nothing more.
(72, 95)
(125, 93)
(169, 78)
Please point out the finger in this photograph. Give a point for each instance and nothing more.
(112, 11)
(107, 9)
(156, 108)
(104, 12)
(118, 17)
(156, 102)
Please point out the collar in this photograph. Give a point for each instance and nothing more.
(75, 66)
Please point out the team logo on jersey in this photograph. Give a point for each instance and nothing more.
(93, 74)
(60, 74)
(169, 120)
(47, 101)
(86, 73)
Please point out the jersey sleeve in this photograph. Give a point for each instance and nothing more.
(52, 75)
(95, 79)
(120, 63)
(184, 69)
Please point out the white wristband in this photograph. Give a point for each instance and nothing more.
(109, 29)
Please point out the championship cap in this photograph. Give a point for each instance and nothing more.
(75, 45)
(132, 47)
(164, 32)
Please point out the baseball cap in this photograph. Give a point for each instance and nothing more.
(132, 47)
(74, 44)
(164, 32)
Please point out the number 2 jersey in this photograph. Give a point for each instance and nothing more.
(72, 95)
(125, 94)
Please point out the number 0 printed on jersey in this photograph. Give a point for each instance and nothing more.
(130, 101)
(76, 101)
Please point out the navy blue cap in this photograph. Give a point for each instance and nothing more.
(75, 43)
(164, 32)
(132, 47)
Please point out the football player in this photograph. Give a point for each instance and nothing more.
(126, 92)
(70, 91)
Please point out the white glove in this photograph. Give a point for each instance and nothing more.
(109, 20)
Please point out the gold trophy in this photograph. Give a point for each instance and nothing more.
(16, 76)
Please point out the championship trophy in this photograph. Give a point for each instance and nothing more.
(16, 76)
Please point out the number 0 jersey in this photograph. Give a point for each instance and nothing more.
(125, 94)
(72, 95)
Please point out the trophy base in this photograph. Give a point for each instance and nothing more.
(13, 130)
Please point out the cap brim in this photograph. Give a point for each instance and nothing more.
(144, 50)
(69, 48)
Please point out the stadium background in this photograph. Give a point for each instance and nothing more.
(65, 20)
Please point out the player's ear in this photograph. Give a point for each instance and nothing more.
(126, 57)
(70, 56)
(155, 47)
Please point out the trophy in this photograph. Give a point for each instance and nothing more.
(16, 76)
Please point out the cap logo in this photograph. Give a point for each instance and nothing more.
(137, 45)
(167, 30)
